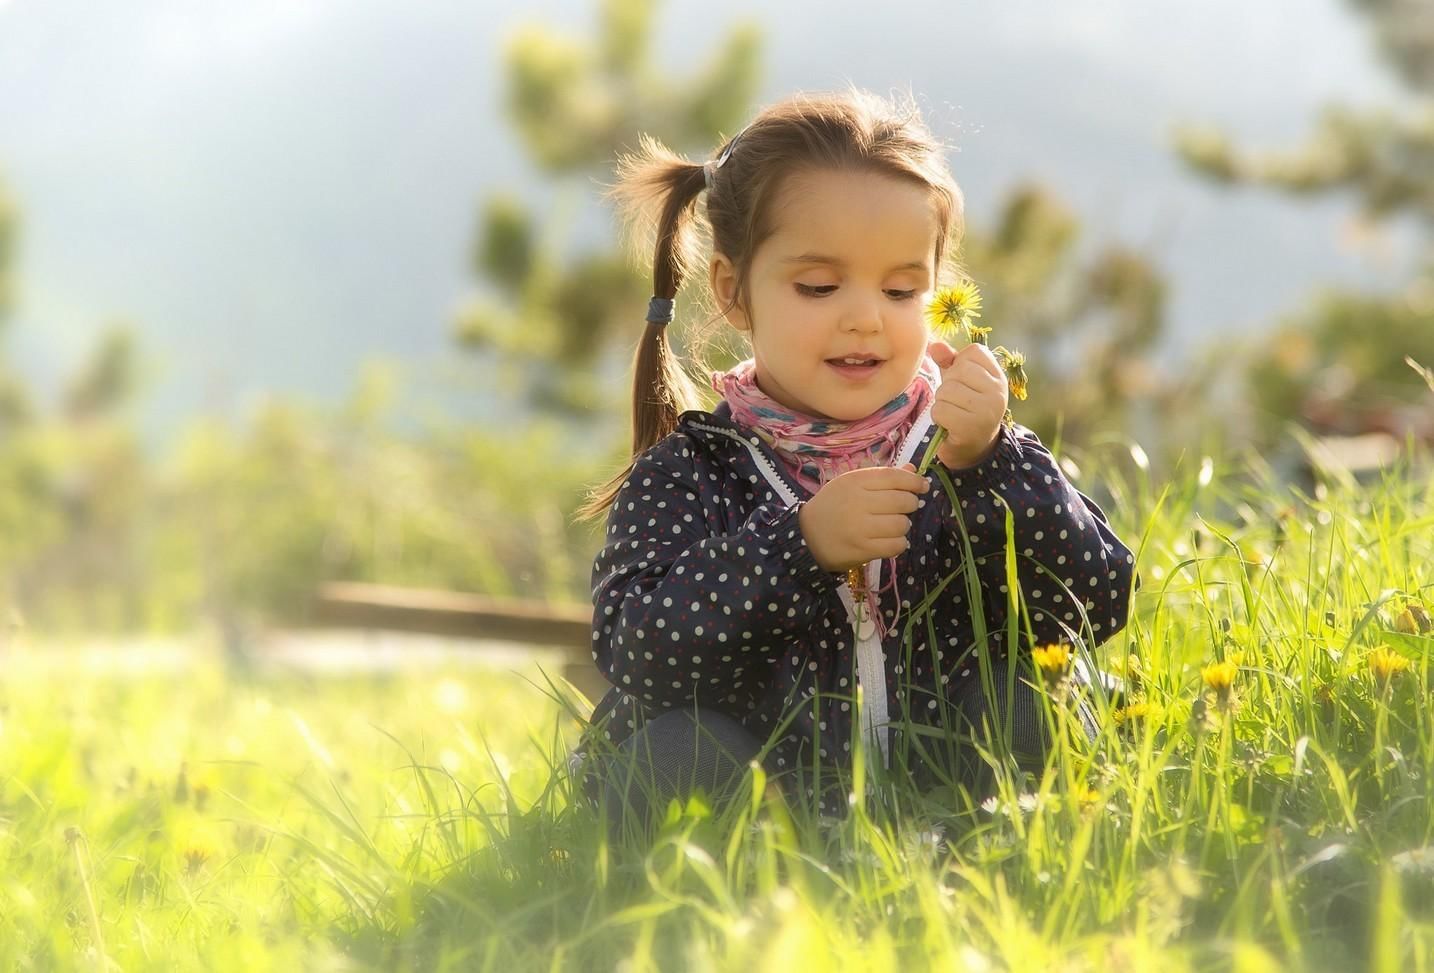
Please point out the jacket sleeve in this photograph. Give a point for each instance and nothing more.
(682, 613)
(1070, 566)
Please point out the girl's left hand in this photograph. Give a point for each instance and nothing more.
(970, 403)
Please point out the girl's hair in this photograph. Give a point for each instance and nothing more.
(850, 130)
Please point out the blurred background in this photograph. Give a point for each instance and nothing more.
(301, 293)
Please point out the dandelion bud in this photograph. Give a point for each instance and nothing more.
(1014, 365)
(1413, 620)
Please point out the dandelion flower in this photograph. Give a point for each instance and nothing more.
(1385, 664)
(1014, 365)
(1139, 711)
(1220, 676)
(954, 306)
(1130, 669)
(1052, 661)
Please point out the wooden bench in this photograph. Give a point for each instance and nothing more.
(566, 628)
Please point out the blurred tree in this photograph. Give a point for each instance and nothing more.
(1090, 324)
(577, 103)
(14, 398)
(1338, 364)
(108, 381)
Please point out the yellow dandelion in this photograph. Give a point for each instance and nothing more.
(1052, 661)
(1014, 365)
(1139, 711)
(1088, 797)
(1130, 669)
(976, 334)
(954, 306)
(1385, 664)
(1220, 676)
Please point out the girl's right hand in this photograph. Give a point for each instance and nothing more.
(862, 515)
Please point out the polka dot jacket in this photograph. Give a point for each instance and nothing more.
(705, 590)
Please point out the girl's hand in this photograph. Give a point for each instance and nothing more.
(861, 515)
(969, 404)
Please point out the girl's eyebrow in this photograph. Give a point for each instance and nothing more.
(822, 258)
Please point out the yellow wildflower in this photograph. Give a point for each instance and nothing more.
(1130, 669)
(1014, 365)
(1138, 711)
(954, 306)
(1385, 664)
(1052, 661)
(1220, 676)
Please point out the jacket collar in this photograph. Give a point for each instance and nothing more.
(699, 424)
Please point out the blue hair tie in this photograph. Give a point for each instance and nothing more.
(659, 310)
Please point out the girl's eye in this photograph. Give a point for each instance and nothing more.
(822, 290)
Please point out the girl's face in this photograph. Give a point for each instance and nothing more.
(846, 273)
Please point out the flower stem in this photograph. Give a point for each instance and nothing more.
(937, 438)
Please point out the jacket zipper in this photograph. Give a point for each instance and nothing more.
(870, 656)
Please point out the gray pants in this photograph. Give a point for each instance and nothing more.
(680, 751)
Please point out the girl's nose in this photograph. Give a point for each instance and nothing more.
(862, 314)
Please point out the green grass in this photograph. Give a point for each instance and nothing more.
(416, 822)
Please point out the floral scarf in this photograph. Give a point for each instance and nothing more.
(816, 450)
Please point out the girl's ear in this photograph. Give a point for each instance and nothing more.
(722, 276)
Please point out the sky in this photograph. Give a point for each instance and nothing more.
(273, 192)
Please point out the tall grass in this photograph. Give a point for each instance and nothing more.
(1285, 823)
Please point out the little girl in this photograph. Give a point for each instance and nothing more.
(723, 613)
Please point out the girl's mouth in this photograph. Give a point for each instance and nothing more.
(855, 373)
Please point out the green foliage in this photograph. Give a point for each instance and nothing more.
(1341, 364)
(15, 408)
(1338, 364)
(9, 229)
(243, 523)
(576, 103)
(108, 381)
(1097, 321)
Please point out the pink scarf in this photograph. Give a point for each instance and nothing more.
(816, 450)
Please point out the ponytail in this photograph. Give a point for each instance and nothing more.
(662, 388)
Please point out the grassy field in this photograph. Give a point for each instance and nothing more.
(1273, 813)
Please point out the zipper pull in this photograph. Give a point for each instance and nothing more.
(856, 581)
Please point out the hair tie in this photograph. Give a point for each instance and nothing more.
(659, 310)
(709, 168)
